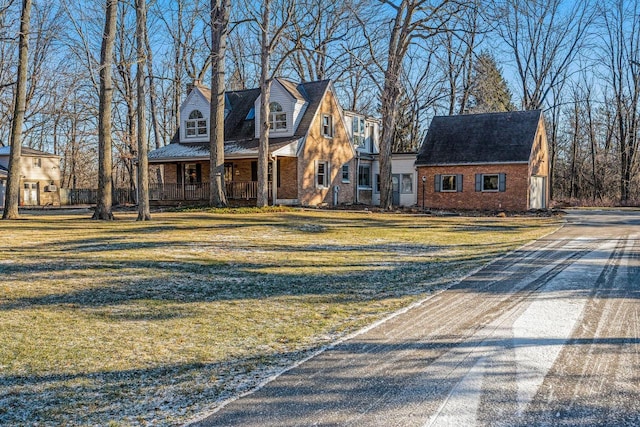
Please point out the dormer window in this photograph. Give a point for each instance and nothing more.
(196, 125)
(277, 118)
(358, 131)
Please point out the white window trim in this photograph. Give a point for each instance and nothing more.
(196, 126)
(366, 186)
(342, 171)
(273, 121)
(455, 183)
(326, 175)
(359, 132)
(497, 189)
(323, 126)
(402, 175)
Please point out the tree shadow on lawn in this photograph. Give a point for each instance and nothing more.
(189, 282)
(340, 377)
(197, 280)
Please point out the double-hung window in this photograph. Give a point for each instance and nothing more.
(358, 129)
(448, 183)
(277, 117)
(345, 173)
(327, 126)
(196, 125)
(364, 176)
(491, 182)
(322, 174)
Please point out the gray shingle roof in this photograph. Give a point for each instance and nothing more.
(26, 151)
(239, 133)
(480, 138)
(200, 151)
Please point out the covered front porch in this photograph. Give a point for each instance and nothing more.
(180, 182)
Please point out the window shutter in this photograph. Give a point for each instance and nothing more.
(198, 172)
(327, 178)
(459, 183)
(437, 183)
(179, 173)
(502, 182)
(478, 182)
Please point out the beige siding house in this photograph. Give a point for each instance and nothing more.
(39, 177)
(312, 157)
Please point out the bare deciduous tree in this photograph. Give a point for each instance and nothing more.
(13, 182)
(412, 20)
(144, 213)
(220, 10)
(270, 38)
(105, 186)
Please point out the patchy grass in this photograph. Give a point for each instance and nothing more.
(128, 323)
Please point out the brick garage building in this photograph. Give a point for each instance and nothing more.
(492, 161)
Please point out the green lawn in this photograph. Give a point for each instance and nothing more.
(126, 322)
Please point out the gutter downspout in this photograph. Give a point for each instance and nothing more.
(357, 177)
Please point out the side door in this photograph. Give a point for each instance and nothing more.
(537, 193)
(395, 187)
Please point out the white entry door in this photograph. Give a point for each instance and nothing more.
(537, 193)
(30, 193)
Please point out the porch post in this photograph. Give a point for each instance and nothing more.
(274, 180)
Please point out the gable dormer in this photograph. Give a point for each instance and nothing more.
(194, 116)
(287, 106)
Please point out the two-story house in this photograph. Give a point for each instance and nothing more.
(318, 154)
(39, 177)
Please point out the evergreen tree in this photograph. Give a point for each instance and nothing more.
(489, 92)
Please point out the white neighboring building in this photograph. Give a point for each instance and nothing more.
(364, 132)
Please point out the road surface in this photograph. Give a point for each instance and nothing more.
(549, 335)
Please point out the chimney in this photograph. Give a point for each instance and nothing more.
(191, 85)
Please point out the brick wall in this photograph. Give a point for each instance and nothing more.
(513, 199)
(336, 150)
(288, 174)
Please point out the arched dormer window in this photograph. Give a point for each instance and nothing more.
(277, 117)
(196, 125)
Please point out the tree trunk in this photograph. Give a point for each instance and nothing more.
(144, 213)
(153, 103)
(105, 186)
(265, 93)
(220, 10)
(398, 44)
(13, 182)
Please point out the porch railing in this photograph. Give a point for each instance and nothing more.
(236, 190)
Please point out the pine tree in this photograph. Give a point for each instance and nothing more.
(489, 91)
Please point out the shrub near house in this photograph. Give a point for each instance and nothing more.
(494, 161)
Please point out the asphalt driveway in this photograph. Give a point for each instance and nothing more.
(549, 335)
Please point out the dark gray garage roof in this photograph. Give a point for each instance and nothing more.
(480, 138)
